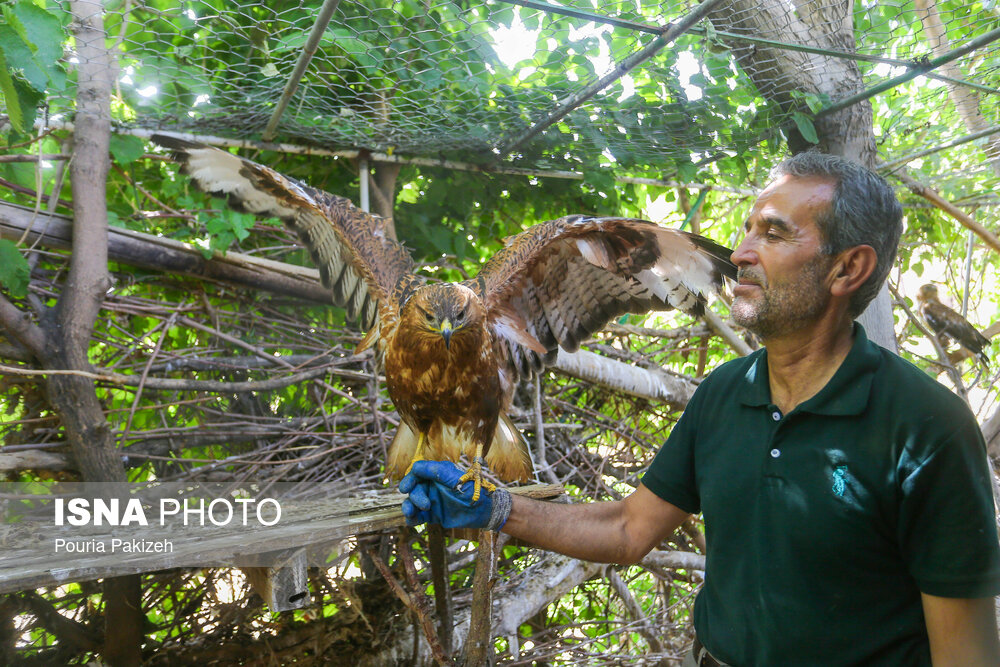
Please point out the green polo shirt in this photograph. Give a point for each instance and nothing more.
(824, 525)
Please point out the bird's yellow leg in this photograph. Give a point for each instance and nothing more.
(475, 473)
(418, 452)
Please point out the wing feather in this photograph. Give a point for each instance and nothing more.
(357, 261)
(567, 278)
(944, 320)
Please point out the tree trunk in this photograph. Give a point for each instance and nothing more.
(72, 322)
(965, 99)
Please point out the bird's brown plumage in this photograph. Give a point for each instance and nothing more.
(454, 352)
(947, 324)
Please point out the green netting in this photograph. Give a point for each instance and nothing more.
(464, 80)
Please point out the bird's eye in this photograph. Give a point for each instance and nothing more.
(461, 314)
(428, 317)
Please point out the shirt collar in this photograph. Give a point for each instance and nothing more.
(845, 394)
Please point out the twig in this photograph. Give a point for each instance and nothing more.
(940, 202)
(479, 644)
(633, 608)
(415, 606)
(438, 557)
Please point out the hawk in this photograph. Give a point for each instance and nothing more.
(453, 353)
(947, 324)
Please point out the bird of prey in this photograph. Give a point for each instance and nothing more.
(453, 353)
(947, 324)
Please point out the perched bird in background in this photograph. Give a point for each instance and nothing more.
(453, 352)
(947, 324)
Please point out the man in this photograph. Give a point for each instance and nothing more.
(846, 495)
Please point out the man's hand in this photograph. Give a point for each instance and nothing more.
(437, 496)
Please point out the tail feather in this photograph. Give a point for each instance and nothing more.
(509, 456)
(401, 451)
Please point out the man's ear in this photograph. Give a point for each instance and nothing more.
(852, 268)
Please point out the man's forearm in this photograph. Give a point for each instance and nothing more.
(589, 531)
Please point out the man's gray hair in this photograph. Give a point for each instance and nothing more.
(864, 211)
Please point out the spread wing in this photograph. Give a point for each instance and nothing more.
(558, 282)
(362, 267)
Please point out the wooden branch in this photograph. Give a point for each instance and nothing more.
(697, 537)
(479, 642)
(32, 157)
(65, 629)
(639, 382)
(160, 254)
(415, 603)
(33, 459)
(438, 556)
(633, 609)
(675, 560)
(940, 202)
(170, 384)
(14, 187)
(20, 327)
(320, 524)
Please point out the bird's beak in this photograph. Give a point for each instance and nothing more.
(446, 330)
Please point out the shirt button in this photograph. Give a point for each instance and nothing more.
(776, 416)
(775, 453)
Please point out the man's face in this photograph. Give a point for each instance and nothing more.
(783, 278)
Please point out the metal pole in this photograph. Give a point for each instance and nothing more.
(732, 36)
(363, 174)
(970, 239)
(308, 51)
(950, 144)
(589, 16)
(918, 69)
(670, 34)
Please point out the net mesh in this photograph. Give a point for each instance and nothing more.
(467, 80)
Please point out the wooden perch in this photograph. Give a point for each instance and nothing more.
(315, 527)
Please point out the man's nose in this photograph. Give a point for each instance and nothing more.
(744, 254)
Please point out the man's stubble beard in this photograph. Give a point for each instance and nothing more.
(784, 307)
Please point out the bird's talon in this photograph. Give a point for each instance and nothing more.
(475, 475)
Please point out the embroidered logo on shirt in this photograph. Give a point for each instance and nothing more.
(839, 484)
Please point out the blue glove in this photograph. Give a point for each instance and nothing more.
(436, 496)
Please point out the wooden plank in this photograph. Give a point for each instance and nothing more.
(318, 527)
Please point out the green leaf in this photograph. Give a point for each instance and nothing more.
(14, 269)
(806, 127)
(41, 29)
(10, 96)
(21, 58)
(126, 149)
(24, 102)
